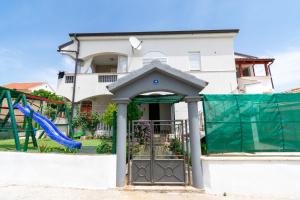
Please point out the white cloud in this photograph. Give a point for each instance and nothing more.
(286, 70)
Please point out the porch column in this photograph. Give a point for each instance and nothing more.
(194, 131)
(121, 141)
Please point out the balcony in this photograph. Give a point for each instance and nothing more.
(87, 85)
(255, 84)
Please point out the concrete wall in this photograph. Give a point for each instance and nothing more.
(257, 176)
(58, 170)
(255, 84)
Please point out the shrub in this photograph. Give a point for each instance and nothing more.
(86, 121)
(175, 147)
(51, 108)
(107, 116)
(133, 113)
(103, 147)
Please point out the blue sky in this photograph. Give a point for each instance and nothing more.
(30, 31)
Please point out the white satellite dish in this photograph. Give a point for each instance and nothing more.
(135, 43)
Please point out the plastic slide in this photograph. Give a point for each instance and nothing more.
(50, 129)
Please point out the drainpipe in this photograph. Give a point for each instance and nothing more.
(75, 75)
(271, 73)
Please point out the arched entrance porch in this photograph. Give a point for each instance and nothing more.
(158, 77)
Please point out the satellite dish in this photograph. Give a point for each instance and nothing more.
(135, 43)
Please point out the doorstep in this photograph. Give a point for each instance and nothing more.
(161, 188)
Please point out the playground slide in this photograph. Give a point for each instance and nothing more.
(50, 129)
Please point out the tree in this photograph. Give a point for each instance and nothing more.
(46, 94)
(133, 113)
(107, 116)
(51, 108)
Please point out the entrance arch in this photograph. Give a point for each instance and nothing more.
(158, 77)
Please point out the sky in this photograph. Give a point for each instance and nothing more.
(31, 30)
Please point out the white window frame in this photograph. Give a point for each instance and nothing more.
(194, 56)
(122, 64)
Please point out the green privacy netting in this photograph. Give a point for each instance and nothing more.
(252, 122)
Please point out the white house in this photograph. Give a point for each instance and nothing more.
(206, 54)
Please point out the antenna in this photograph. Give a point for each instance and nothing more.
(135, 43)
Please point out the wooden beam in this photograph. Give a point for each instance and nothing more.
(240, 70)
(266, 69)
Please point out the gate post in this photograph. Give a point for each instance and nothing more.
(121, 141)
(194, 131)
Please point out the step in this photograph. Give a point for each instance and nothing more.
(162, 188)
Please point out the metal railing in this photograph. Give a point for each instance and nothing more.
(69, 79)
(107, 78)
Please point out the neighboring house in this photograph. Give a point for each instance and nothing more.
(294, 90)
(29, 87)
(253, 74)
(206, 54)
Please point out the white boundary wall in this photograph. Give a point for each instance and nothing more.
(58, 170)
(258, 176)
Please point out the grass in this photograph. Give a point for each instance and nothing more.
(47, 145)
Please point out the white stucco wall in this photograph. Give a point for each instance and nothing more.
(165, 111)
(256, 176)
(100, 103)
(58, 170)
(217, 60)
(44, 86)
(255, 85)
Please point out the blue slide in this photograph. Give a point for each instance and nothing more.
(50, 129)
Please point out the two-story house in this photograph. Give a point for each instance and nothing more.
(206, 54)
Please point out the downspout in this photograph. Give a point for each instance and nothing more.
(271, 73)
(75, 76)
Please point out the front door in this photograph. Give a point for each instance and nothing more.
(154, 113)
(158, 155)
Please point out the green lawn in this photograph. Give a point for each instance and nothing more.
(47, 145)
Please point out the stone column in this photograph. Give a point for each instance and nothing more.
(194, 131)
(121, 141)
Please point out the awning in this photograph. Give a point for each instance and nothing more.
(146, 99)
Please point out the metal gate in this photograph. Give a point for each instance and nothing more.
(158, 152)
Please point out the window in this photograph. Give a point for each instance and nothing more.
(195, 60)
(107, 78)
(122, 64)
(154, 55)
(69, 79)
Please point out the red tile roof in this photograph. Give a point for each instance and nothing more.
(294, 90)
(24, 87)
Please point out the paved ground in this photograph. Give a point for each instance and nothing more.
(49, 193)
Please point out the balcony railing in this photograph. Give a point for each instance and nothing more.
(102, 78)
(107, 78)
(69, 79)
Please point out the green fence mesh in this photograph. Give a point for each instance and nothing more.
(252, 123)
